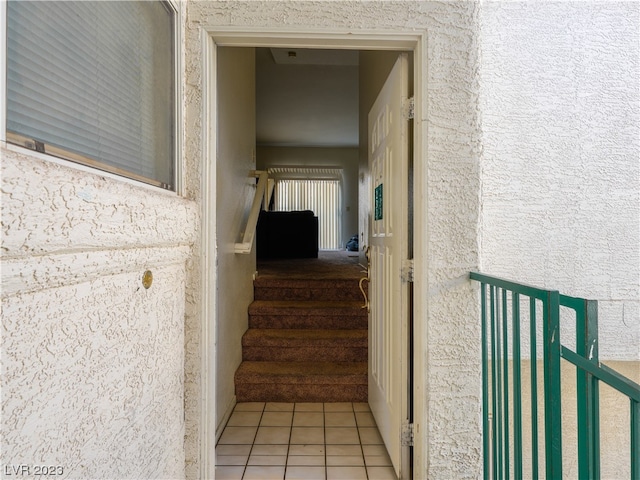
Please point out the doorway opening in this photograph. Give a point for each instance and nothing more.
(383, 45)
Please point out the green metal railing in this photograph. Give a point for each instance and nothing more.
(517, 317)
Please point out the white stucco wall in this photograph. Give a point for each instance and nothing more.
(451, 402)
(93, 363)
(561, 155)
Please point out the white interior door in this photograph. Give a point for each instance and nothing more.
(388, 241)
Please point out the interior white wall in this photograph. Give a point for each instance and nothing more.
(235, 159)
(305, 105)
(345, 158)
(560, 172)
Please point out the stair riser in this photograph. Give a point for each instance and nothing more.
(284, 392)
(309, 322)
(304, 354)
(311, 309)
(318, 294)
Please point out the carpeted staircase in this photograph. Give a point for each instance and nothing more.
(306, 342)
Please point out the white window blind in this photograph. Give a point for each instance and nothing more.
(323, 197)
(93, 81)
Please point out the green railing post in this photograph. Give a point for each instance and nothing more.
(494, 401)
(517, 389)
(497, 386)
(635, 440)
(534, 387)
(485, 382)
(587, 390)
(552, 386)
(505, 365)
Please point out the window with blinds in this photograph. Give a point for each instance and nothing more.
(322, 196)
(94, 82)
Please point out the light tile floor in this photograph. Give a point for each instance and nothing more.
(302, 441)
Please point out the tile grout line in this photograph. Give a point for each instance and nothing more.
(286, 458)
(324, 433)
(364, 463)
(255, 437)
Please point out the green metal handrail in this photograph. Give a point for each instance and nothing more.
(501, 327)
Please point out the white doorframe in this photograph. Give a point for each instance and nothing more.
(211, 39)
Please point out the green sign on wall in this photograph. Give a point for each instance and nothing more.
(377, 215)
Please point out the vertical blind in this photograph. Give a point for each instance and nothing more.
(95, 79)
(323, 197)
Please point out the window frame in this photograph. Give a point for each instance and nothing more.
(24, 145)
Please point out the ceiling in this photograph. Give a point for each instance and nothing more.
(306, 98)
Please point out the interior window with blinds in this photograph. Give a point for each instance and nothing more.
(94, 82)
(315, 189)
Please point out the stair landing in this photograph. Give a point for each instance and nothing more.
(329, 265)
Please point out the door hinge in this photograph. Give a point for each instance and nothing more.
(408, 108)
(407, 434)
(406, 273)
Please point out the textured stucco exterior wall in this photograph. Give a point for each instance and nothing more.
(92, 362)
(449, 197)
(561, 146)
(93, 373)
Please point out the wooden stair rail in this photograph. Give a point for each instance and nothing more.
(261, 199)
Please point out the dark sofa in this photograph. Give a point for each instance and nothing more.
(287, 235)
